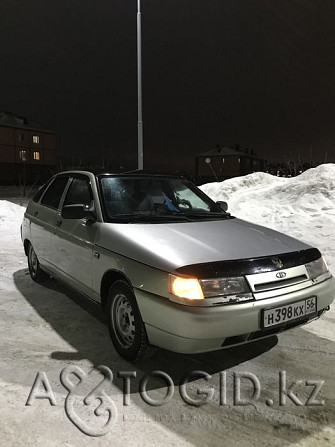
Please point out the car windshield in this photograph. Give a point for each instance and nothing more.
(155, 199)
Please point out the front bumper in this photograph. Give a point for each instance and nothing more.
(188, 329)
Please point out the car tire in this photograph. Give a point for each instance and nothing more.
(36, 273)
(125, 323)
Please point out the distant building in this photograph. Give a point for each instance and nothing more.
(27, 152)
(226, 162)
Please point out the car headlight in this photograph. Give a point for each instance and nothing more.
(224, 286)
(316, 268)
(186, 288)
(229, 289)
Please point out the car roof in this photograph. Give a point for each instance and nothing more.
(101, 173)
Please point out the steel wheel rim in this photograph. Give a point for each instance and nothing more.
(123, 321)
(33, 261)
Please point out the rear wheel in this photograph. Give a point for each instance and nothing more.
(125, 324)
(35, 270)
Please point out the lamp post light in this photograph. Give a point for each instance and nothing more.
(139, 90)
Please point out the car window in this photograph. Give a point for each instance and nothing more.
(80, 192)
(40, 192)
(54, 193)
(160, 198)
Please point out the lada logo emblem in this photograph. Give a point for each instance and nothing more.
(281, 275)
(277, 262)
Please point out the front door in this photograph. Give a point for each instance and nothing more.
(74, 238)
(44, 219)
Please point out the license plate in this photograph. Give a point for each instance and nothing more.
(294, 311)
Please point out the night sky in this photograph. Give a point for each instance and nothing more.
(257, 73)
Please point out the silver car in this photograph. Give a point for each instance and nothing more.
(170, 267)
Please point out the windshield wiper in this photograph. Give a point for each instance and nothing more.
(194, 215)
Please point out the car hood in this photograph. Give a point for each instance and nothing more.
(169, 246)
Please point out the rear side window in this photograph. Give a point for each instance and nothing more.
(54, 193)
(80, 192)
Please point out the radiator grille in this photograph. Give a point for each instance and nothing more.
(280, 283)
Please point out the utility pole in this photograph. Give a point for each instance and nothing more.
(139, 90)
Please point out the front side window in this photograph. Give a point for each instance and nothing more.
(80, 192)
(40, 192)
(160, 198)
(54, 193)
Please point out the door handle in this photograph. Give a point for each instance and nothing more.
(59, 222)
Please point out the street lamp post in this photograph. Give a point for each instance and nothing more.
(139, 91)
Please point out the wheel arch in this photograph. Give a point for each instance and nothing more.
(108, 279)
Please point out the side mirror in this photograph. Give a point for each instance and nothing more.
(223, 205)
(78, 211)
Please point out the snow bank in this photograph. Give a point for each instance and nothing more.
(11, 248)
(303, 206)
(11, 216)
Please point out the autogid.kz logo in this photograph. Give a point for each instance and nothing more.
(89, 407)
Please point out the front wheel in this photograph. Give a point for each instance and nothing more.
(125, 324)
(35, 270)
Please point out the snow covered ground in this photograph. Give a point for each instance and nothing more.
(302, 207)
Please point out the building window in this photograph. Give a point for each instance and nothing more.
(20, 137)
(36, 139)
(23, 155)
(37, 155)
